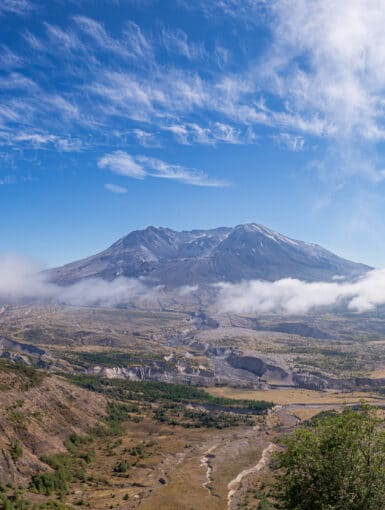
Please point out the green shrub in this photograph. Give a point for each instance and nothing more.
(337, 462)
(16, 450)
(122, 467)
(65, 469)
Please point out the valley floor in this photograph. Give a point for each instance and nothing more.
(103, 422)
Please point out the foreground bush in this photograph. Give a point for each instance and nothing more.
(337, 462)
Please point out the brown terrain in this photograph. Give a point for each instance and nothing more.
(127, 448)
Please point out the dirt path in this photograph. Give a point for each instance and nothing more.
(206, 461)
(235, 484)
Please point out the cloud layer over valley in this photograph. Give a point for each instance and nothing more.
(293, 296)
(22, 280)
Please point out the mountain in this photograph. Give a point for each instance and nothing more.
(251, 251)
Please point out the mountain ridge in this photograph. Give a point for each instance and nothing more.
(161, 255)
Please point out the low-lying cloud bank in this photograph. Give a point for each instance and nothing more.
(22, 280)
(295, 296)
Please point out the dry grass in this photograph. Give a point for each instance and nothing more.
(305, 413)
(176, 457)
(296, 396)
(379, 373)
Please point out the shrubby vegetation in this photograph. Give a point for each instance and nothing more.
(156, 391)
(16, 450)
(122, 467)
(27, 376)
(16, 501)
(128, 399)
(71, 466)
(113, 358)
(177, 414)
(171, 402)
(117, 414)
(336, 462)
(66, 468)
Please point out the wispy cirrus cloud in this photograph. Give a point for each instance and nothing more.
(177, 42)
(9, 59)
(41, 140)
(247, 10)
(139, 167)
(67, 38)
(19, 7)
(321, 76)
(108, 91)
(7, 180)
(115, 188)
(140, 97)
(146, 139)
(216, 132)
(99, 35)
(292, 142)
(131, 44)
(121, 163)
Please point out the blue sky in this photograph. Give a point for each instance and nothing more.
(119, 114)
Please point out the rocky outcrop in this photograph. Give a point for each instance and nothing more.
(31, 350)
(180, 373)
(15, 357)
(323, 382)
(262, 368)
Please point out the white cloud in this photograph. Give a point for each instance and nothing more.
(296, 297)
(138, 167)
(132, 43)
(176, 41)
(150, 97)
(16, 81)
(173, 94)
(67, 39)
(19, 7)
(115, 188)
(41, 140)
(327, 61)
(121, 163)
(245, 10)
(139, 45)
(7, 179)
(98, 33)
(289, 141)
(323, 76)
(158, 168)
(329, 58)
(9, 59)
(22, 280)
(135, 85)
(215, 132)
(96, 291)
(187, 290)
(145, 138)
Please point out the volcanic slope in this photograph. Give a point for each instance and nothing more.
(164, 256)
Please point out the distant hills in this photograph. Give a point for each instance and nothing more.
(245, 252)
